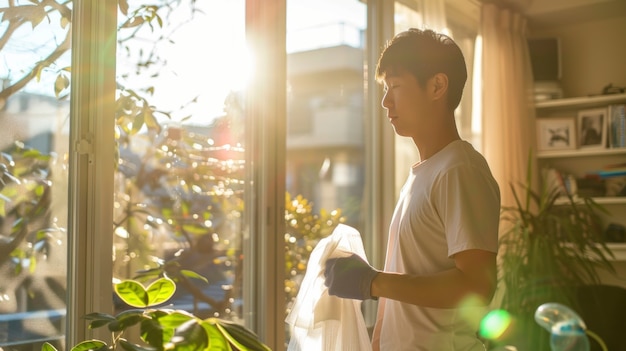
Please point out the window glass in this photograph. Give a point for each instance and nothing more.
(34, 134)
(326, 126)
(178, 201)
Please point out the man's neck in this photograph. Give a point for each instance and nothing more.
(433, 142)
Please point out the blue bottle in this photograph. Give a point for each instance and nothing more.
(567, 329)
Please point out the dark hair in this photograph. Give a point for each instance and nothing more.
(424, 53)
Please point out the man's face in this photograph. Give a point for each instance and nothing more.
(406, 103)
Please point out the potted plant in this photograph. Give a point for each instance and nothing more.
(551, 245)
(162, 327)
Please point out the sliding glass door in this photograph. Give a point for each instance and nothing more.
(326, 121)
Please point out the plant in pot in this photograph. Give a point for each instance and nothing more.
(551, 245)
(162, 327)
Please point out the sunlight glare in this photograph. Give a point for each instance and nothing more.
(206, 60)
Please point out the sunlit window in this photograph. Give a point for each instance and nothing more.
(178, 200)
(34, 125)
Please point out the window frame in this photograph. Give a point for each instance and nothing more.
(90, 199)
(266, 106)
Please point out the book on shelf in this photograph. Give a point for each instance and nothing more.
(609, 171)
(617, 125)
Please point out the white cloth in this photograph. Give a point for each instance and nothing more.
(318, 321)
(450, 203)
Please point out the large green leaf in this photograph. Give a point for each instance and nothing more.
(48, 347)
(153, 333)
(99, 319)
(190, 336)
(89, 345)
(132, 293)
(192, 274)
(135, 347)
(126, 319)
(241, 337)
(160, 291)
(217, 340)
(175, 319)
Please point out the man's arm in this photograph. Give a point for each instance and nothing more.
(473, 276)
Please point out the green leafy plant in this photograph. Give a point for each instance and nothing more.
(25, 197)
(161, 327)
(303, 230)
(551, 245)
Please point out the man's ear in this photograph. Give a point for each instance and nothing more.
(438, 86)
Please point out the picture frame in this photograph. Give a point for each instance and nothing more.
(617, 125)
(592, 128)
(556, 134)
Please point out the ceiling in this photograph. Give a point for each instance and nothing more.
(545, 13)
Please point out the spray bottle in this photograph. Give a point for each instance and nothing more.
(567, 329)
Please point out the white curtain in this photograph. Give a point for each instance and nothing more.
(435, 15)
(508, 116)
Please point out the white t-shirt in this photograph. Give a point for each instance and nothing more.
(449, 203)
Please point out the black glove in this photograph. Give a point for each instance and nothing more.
(349, 277)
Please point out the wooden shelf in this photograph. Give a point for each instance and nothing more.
(609, 200)
(618, 250)
(581, 102)
(581, 153)
(601, 200)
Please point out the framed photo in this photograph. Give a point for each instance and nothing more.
(592, 128)
(556, 134)
(617, 125)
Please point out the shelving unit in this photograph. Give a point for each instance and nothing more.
(580, 153)
(618, 250)
(606, 200)
(581, 102)
(580, 161)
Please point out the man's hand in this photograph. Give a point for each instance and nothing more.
(349, 277)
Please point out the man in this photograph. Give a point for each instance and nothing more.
(443, 237)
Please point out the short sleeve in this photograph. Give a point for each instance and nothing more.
(469, 204)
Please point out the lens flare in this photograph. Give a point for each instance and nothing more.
(495, 324)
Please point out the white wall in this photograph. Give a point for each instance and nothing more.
(593, 54)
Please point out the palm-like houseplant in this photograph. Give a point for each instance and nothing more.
(552, 244)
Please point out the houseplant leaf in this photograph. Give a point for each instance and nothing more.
(175, 319)
(132, 293)
(89, 345)
(160, 291)
(48, 347)
(240, 337)
(191, 336)
(126, 319)
(99, 319)
(217, 340)
(134, 347)
(154, 334)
